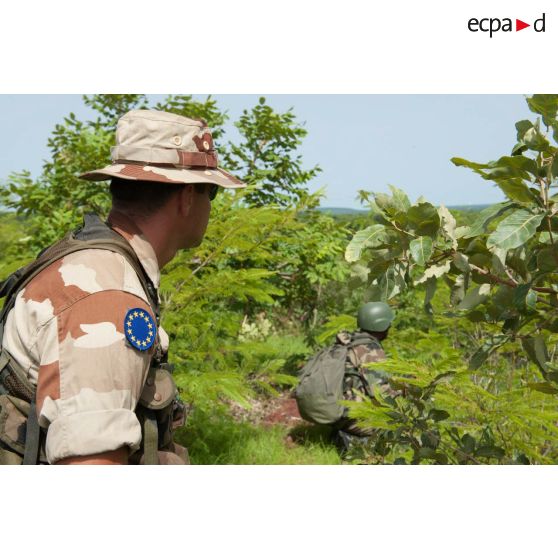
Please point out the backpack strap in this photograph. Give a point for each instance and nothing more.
(32, 437)
(150, 438)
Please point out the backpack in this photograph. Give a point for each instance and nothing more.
(20, 434)
(321, 384)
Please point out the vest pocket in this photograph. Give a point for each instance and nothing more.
(13, 426)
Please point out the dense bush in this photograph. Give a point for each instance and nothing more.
(500, 271)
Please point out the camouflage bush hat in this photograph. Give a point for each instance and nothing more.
(164, 147)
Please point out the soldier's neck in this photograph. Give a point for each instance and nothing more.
(160, 238)
(154, 229)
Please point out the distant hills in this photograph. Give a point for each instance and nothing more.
(350, 211)
(341, 210)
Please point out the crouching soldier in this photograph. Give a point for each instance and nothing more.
(342, 371)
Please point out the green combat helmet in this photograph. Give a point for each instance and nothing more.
(375, 316)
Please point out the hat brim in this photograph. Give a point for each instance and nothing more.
(129, 171)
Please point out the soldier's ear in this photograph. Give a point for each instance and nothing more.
(185, 200)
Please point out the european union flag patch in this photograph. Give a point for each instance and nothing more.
(140, 329)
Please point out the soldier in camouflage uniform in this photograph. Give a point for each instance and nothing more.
(72, 327)
(374, 320)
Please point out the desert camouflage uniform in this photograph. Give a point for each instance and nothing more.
(67, 331)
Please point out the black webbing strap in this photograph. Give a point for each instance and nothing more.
(32, 437)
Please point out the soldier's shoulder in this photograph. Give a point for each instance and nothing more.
(372, 353)
(343, 337)
(81, 274)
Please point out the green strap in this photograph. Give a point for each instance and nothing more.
(32, 437)
(150, 439)
(9, 457)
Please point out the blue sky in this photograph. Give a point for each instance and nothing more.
(360, 141)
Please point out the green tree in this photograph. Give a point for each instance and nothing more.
(500, 273)
(503, 268)
(266, 159)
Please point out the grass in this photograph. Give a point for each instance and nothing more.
(217, 439)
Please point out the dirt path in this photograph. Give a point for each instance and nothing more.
(269, 412)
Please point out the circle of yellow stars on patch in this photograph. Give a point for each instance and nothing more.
(140, 329)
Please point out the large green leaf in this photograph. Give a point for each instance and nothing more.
(431, 285)
(499, 260)
(510, 168)
(435, 271)
(535, 347)
(515, 230)
(505, 168)
(368, 237)
(359, 272)
(400, 199)
(392, 283)
(475, 297)
(384, 202)
(486, 216)
(388, 285)
(546, 106)
(524, 298)
(438, 414)
(522, 127)
(535, 140)
(458, 290)
(429, 453)
(517, 190)
(449, 225)
(460, 162)
(519, 148)
(486, 349)
(393, 207)
(530, 135)
(379, 264)
(421, 249)
(547, 260)
(516, 260)
(502, 305)
(461, 262)
(490, 451)
(423, 219)
(543, 387)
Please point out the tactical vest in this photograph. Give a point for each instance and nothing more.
(21, 438)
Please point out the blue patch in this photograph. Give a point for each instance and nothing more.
(140, 329)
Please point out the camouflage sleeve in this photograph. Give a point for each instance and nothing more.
(366, 354)
(90, 378)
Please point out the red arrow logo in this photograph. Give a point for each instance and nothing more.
(519, 25)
